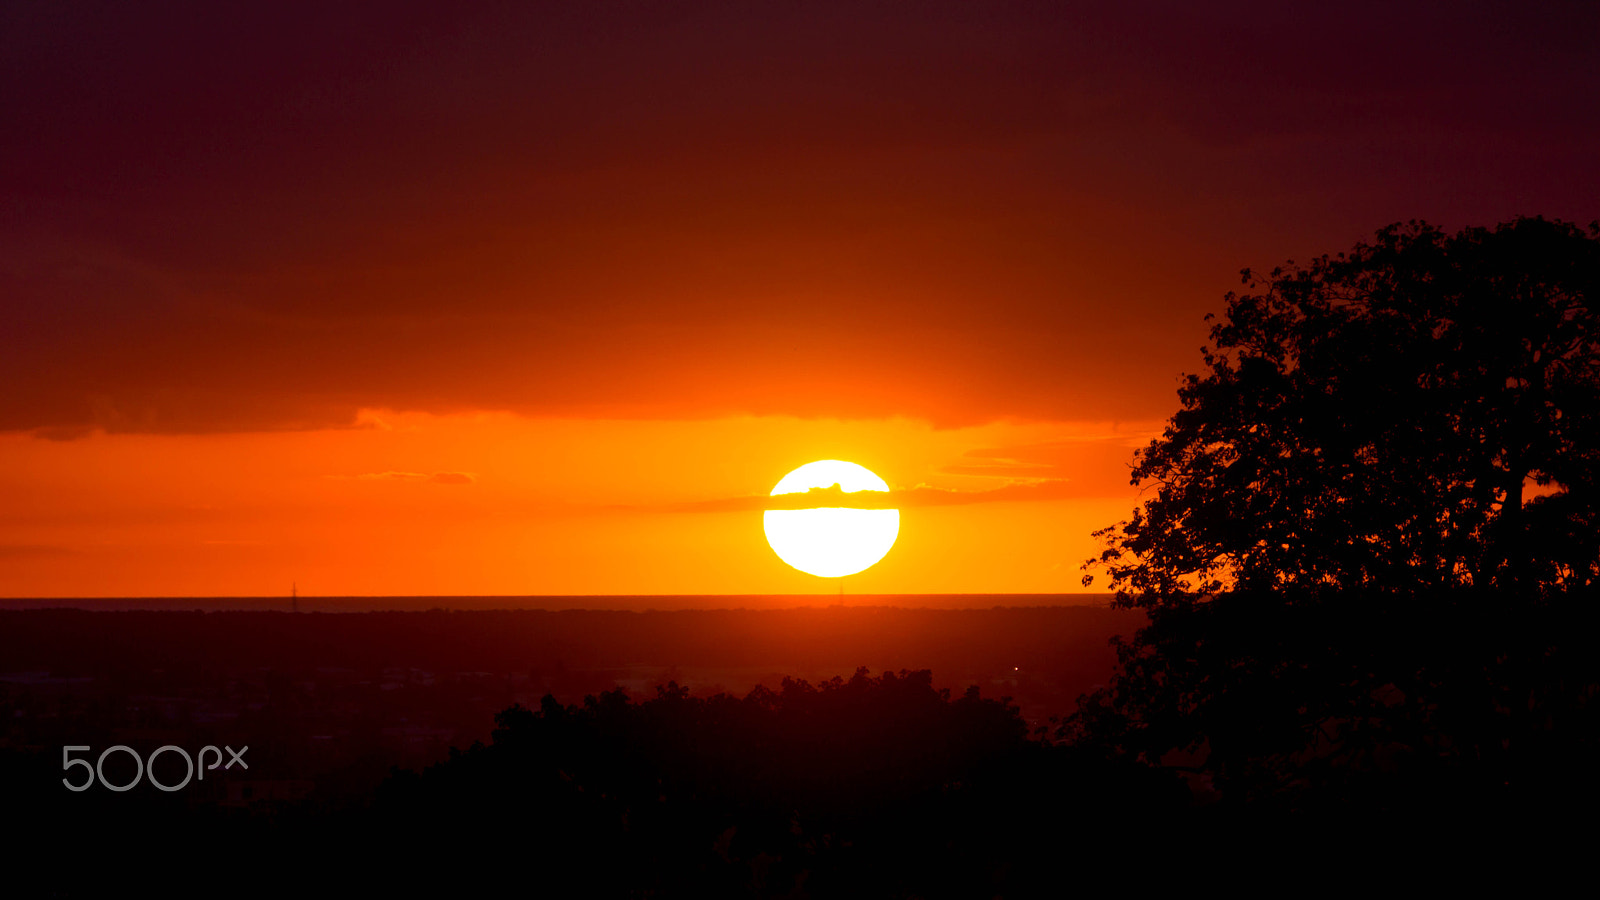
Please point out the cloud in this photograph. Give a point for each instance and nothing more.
(919, 496)
(434, 478)
(30, 551)
(1101, 463)
(63, 432)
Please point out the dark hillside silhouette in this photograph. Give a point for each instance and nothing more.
(1370, 558)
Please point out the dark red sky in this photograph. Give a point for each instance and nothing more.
(216, 218)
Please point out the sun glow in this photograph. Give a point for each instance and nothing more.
(831, 542)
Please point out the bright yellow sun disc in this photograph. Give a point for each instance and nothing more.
(831, 542)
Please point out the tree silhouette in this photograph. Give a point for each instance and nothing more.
(1375, 419)
(1371, 553)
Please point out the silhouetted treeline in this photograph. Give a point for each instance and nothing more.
(872, 786)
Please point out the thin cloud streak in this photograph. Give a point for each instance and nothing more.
(30, 551)
(435, 478)
(920, 496)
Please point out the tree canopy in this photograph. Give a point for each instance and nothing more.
(1422, 412)
(1371, 554)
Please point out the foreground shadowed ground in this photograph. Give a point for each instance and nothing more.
(1255, 739)
(330, 704)
(872, 786)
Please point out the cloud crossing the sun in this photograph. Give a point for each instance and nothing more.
(919, 496)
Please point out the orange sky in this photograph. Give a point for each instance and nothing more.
(412, 503)
(586, 275)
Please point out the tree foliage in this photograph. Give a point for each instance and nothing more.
(1422, 412)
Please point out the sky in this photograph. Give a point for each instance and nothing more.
(535, 298)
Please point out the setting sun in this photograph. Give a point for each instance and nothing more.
(833, 541)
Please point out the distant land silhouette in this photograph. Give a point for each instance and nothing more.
(1043, 656)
